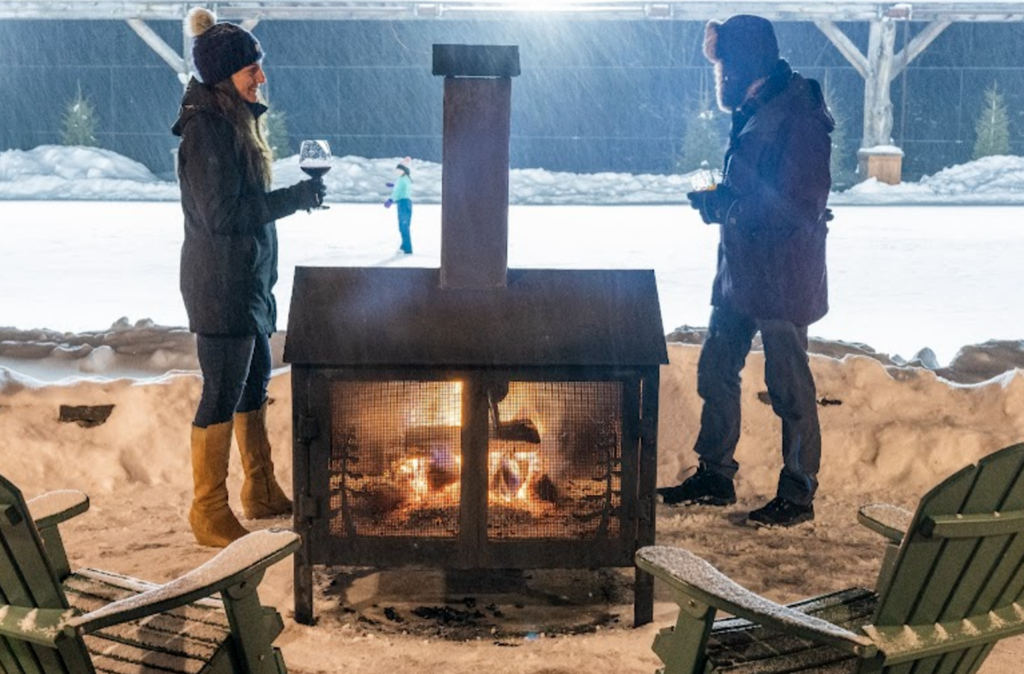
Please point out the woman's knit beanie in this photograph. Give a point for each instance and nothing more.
(219, 50)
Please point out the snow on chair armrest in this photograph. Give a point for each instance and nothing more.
(248, 555)
(57, 506)
(41, 626)
(887, 520)
(698, 579)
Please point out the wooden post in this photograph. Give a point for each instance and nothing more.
(877, 101)
(883, 163)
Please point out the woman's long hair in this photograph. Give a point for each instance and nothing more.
(249, 131)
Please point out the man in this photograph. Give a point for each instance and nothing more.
(771, 266)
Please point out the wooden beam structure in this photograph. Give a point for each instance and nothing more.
(687, 10)
(878, 66)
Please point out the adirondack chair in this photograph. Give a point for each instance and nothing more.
(53, 621)
(951, 586)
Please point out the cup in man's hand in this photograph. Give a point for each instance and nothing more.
(702, 180)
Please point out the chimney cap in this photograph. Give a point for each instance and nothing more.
(469, 60)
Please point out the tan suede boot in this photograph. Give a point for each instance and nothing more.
(213, 523)
(261, 495)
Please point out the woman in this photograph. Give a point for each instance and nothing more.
(228, 270)
(401, 194)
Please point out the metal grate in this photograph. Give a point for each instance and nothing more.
(553, 467)
(564, 482)
(395, 458)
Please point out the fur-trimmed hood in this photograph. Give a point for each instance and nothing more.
(744, 44)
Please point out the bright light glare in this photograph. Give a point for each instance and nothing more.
(534, 5)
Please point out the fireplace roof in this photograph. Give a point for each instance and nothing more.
(345, 317)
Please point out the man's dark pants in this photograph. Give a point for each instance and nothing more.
(790, 388)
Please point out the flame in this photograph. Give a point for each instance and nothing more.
(444, 408)
(434, 480)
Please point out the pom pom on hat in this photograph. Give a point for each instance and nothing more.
(199, 20)
(219, 50)
(745, 44)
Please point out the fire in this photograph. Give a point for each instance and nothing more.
(432, 479)
(430, 473)
(515, 478)
(511, 475)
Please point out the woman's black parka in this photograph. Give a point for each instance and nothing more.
(229, 257)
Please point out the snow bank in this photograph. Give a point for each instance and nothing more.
(882, 426)
(58, 172)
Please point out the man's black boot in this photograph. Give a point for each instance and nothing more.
(781, 512)
(702, 488)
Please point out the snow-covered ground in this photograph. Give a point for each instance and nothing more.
(92, 237)
(902, 278)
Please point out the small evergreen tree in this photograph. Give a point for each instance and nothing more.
(80, 122)
(704, 142)
(276, 128)
(993, 126)
(842, 175)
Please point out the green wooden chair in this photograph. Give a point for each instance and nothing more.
(53, 621)
(950, 587)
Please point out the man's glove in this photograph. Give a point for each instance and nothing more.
(308, 194)
(387, 204)
(712, 204)
(389, 184)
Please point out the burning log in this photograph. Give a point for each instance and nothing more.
(545, 489)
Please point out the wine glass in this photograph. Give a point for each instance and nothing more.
(315, 158)
(703, 179)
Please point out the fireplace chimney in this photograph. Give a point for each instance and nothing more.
(474, 191)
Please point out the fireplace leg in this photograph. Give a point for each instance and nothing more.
(643, 598)
(303, 583)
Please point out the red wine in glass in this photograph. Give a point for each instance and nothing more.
(315, 171)
(315, 158)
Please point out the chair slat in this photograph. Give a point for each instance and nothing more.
(919, 555)
(965, 563)
(998, 523)
(125, 658)
(996, 558)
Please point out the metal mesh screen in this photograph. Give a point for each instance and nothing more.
(555, 461)
(396, 458)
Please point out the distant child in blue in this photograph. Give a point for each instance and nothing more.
(401, 194)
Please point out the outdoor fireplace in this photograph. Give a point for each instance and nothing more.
(474, 416)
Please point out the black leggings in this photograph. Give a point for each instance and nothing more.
(236, 373)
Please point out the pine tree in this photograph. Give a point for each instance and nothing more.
(704, 142)
(839, 166)
(277, 132)
(80, 122)
(993, 126)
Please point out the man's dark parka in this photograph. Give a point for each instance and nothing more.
(771, 258)
(229, 257)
